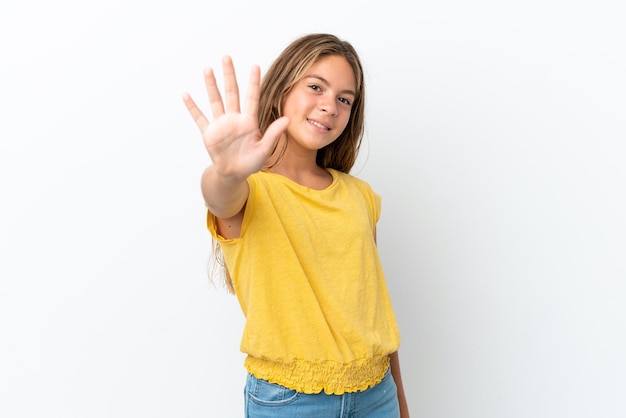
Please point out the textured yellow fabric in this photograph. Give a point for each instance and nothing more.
(310, 284)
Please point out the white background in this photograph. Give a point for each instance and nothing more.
(495, 135)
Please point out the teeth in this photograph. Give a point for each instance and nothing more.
(319, 125)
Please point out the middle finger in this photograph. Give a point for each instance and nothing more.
(231, 89)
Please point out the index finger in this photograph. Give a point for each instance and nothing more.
(215, 98)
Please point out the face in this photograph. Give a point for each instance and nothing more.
(319, 104)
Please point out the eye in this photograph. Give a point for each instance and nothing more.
(315, 87)
(345, 101)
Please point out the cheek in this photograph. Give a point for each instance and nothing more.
(295, 104)
(344, 121)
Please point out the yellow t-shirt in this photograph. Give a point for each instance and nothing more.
(310, 284)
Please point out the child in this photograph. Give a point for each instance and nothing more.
(298, 235)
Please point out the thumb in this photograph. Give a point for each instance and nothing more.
(275, 130)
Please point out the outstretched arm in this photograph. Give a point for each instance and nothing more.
(397, 377)
(233, 140)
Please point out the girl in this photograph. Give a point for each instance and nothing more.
(298, 235)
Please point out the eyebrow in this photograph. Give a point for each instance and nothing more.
(323, 80)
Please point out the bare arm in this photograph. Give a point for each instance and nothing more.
(233, 140)
(397, 377)
(224, 196)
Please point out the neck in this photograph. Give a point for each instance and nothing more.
(295, 159)
(300, 165)
(303, 170)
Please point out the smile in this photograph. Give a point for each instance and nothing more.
(318, 125)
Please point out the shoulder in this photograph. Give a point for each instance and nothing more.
(261, 180)
(362, 188)
(258, 177)
(354, 181)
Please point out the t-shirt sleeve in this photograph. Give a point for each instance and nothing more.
(374, 201)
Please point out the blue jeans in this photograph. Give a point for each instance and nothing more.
(270, 400)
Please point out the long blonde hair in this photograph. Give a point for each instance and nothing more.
(286, 70)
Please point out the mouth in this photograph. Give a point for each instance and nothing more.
(318, 124)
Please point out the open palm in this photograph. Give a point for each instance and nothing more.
(233, 140)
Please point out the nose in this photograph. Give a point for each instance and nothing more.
(328, 105)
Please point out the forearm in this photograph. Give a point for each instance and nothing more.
(224, 196)
(397, 377)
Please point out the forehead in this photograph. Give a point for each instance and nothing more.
(334, 69)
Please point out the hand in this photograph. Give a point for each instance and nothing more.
(233, 140)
